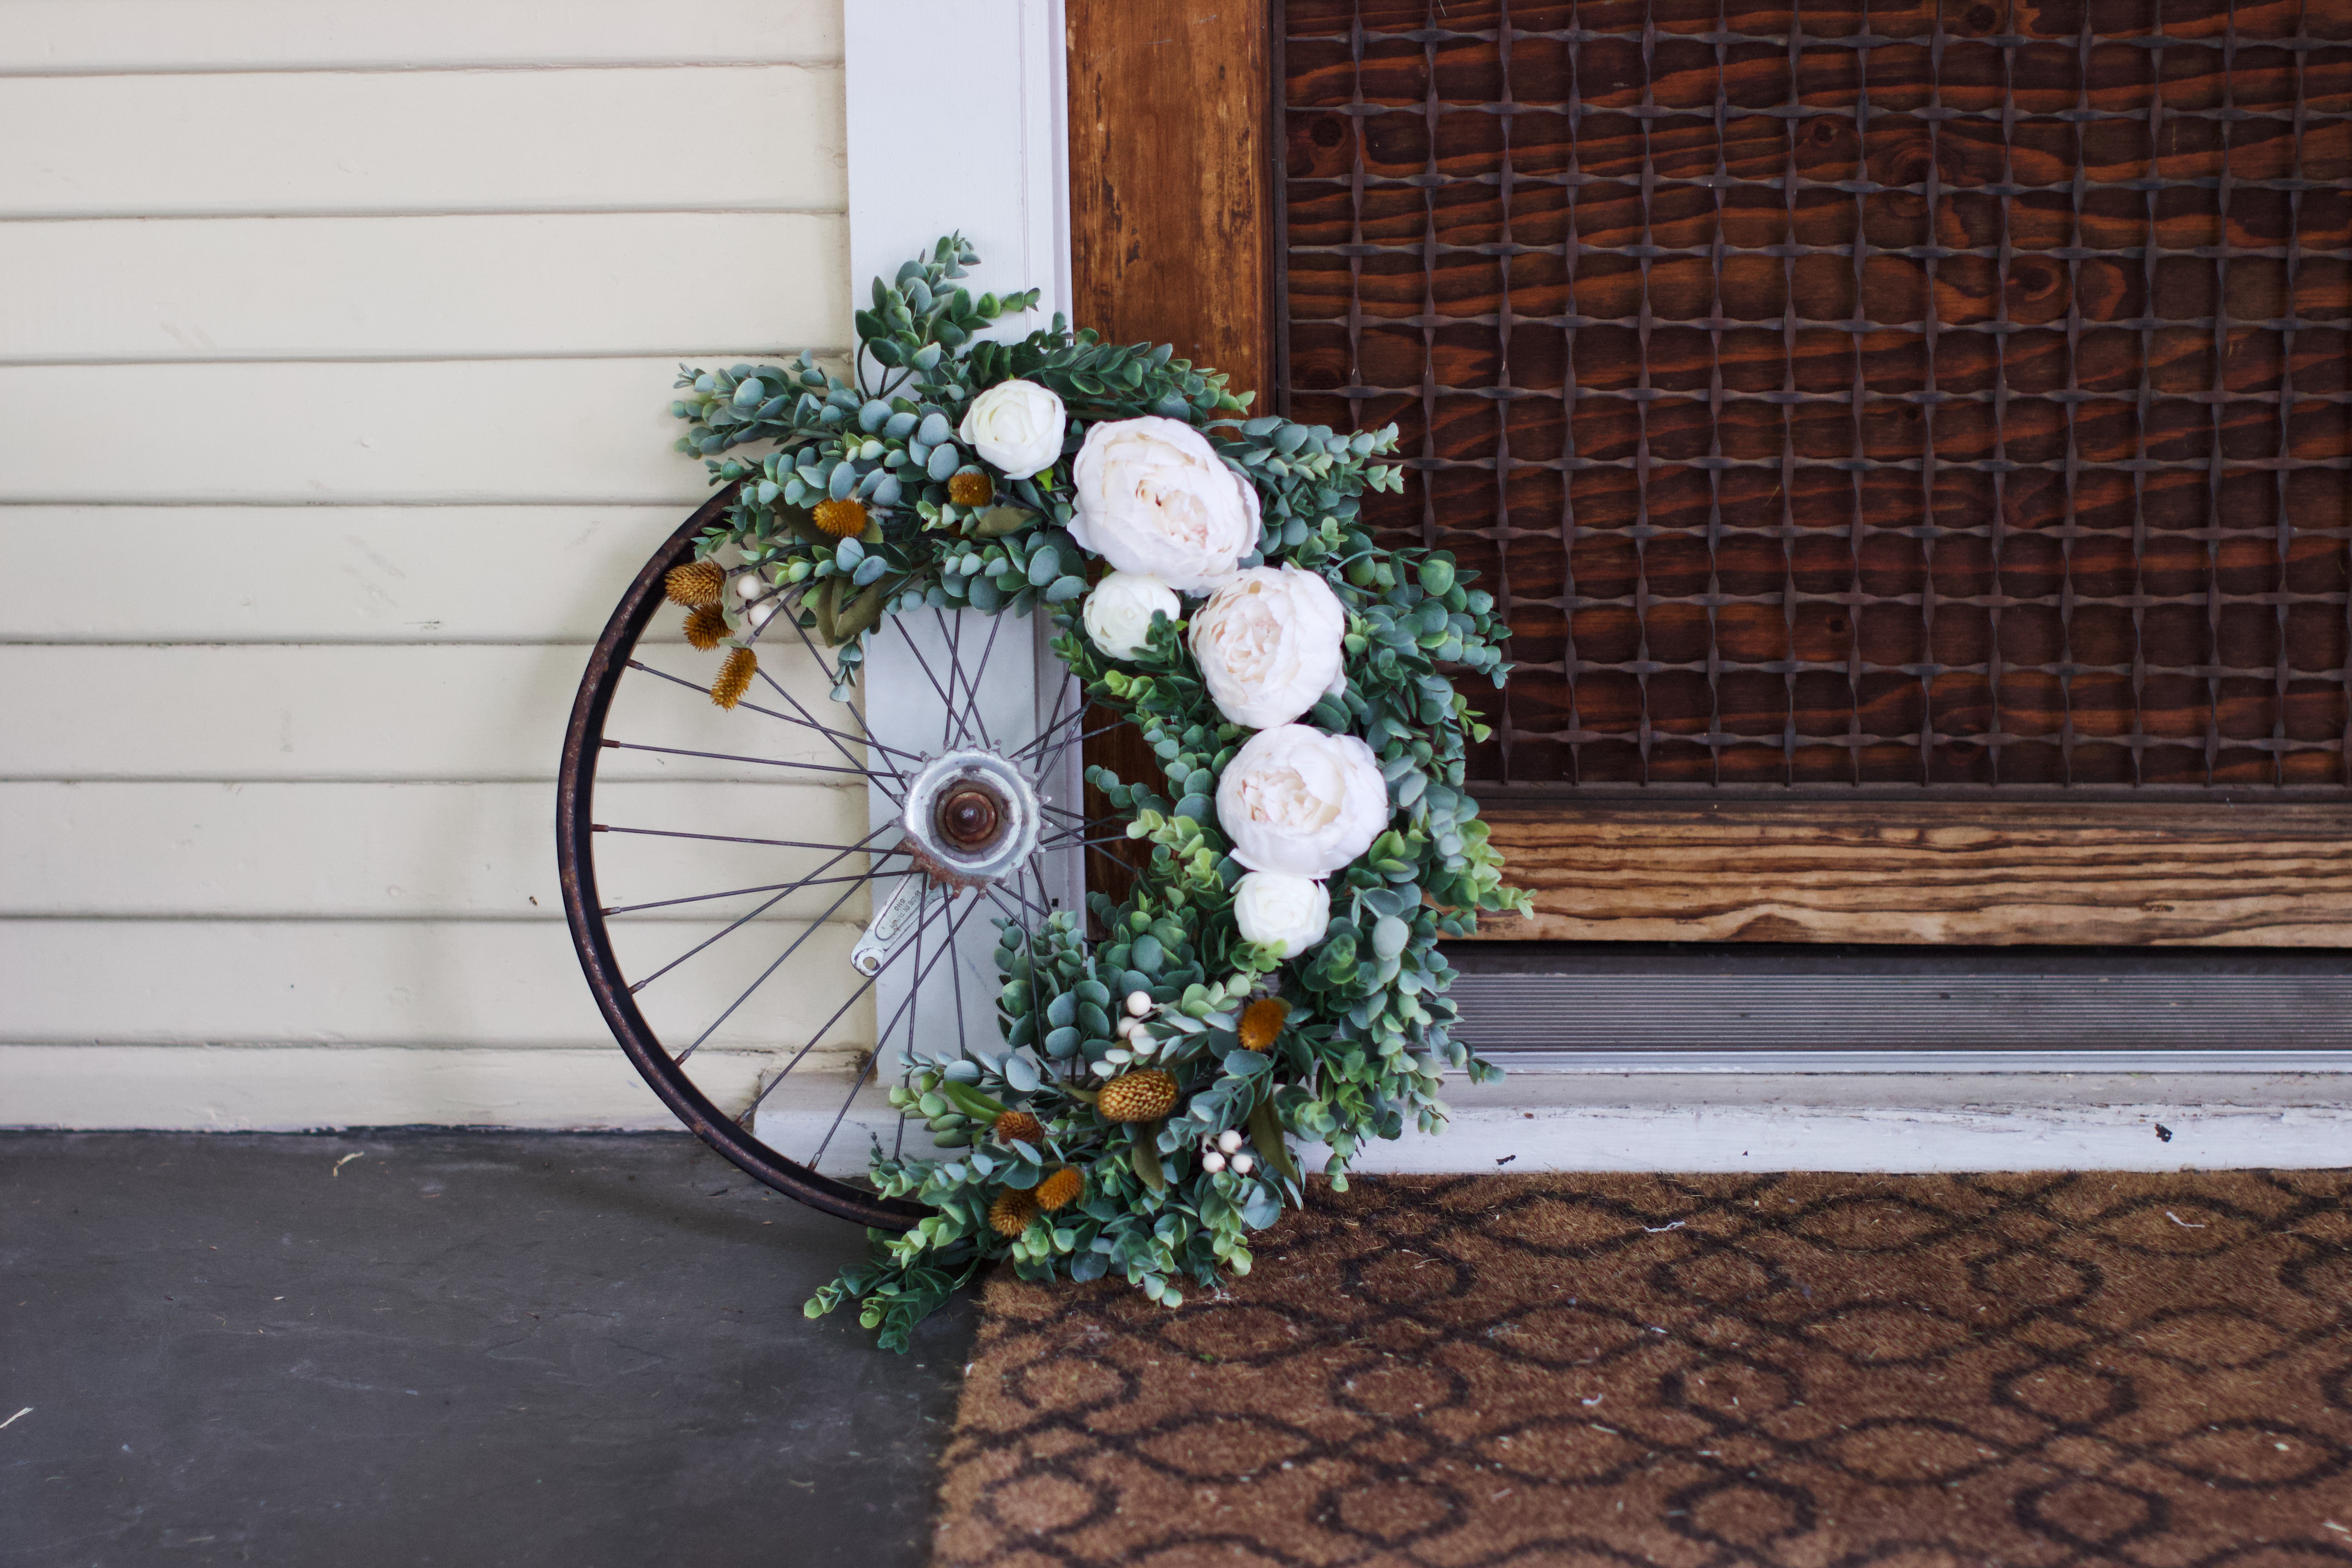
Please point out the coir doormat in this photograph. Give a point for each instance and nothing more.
(1808, 1370)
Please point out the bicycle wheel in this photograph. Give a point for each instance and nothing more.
(775, 904)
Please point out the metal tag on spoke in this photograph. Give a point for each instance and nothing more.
(891, 928)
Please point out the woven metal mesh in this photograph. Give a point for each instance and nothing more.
(1948, 395)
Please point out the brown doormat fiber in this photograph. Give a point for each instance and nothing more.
(1808, 1370)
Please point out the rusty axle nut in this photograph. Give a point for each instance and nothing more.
(968, 817)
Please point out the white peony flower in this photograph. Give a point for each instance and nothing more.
(1268, 645)
(1016, 426)
(1154, 496)
(1275, 907)
(1118, 612)
(1295, 799)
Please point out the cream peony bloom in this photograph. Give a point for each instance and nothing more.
(1154, 496)
(1268, 645)
(1016, 426)
(1292, 912)
(1118, 614)
(1297, 800)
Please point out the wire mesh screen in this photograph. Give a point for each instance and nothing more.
(1948, 395)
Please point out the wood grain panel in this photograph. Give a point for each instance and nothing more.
(1171, 224)
(1950, 872)
(1171, 201)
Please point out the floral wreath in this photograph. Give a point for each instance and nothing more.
(1274, 974)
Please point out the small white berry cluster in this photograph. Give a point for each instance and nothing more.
(1136, 1042)
(1225, 1152)
(754, 590)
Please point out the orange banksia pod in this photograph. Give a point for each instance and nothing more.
(1145, 1096)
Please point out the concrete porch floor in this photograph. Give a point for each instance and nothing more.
(471, 1348)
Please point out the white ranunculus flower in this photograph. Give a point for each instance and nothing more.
(1291, 912)
(1016, 426)
(1118, 612)
(1295, 799)
(1268, 645)
(1154, 496)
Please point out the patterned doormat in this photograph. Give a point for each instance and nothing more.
(1802, 1371)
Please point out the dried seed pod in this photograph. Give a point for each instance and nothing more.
(1262, 1022)
(1061, 1189)
(695, 584)
(706, 627)
(1145, 1096)
(734, 678)
(841, 519)
(971, 488)
(1010, 1214)
(1018, 1127)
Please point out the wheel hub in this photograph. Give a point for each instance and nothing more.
(971, 817)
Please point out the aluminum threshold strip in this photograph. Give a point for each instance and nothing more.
(2137, 1021)
(2115, 1064)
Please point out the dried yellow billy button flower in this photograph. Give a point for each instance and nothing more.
(841, 519)
(735, 678)
(1018, 1127)
(1061, 1189)
(971, 488)
(1262, 1022)
(1010, 1214)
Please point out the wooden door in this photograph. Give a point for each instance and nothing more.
(1910, 440)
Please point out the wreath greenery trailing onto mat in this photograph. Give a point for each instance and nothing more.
(1273, 980)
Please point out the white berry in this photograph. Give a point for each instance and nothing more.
(1229, 1140)
(1243, 1165)
(1138, 1003)
(758, 613)
(749, 585)
(1212, 1162)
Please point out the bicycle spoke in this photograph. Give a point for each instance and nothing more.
(809, 931)
(955, 928)
(743, 1118)
(763, 761)
(737, 925)
(793, 614)
(972, 681)
(733, 838)
(1046, 734)
(947, 703)
(738, 892)
(803, 719)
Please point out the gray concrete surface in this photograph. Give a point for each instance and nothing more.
(428, 1348)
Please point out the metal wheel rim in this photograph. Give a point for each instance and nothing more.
(575, 860)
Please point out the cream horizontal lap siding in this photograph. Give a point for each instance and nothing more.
(335, 337)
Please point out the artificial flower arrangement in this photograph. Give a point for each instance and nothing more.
(1273, 979)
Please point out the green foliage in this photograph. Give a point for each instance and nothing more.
(1369, 1030)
